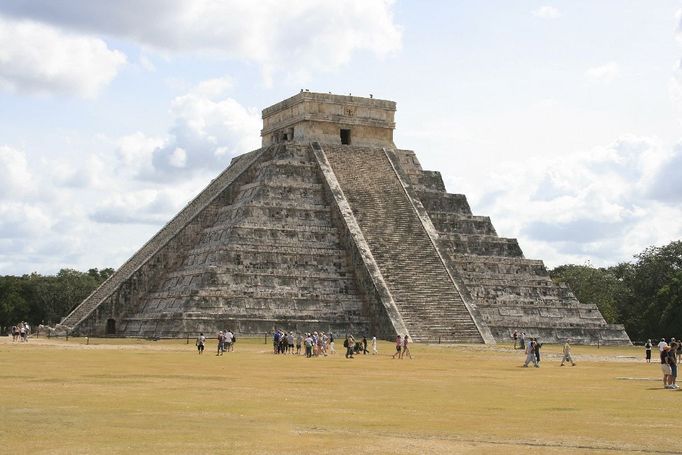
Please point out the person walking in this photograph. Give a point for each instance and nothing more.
(364, 346)
(647, 351)
(331, 343)
(349, 345)
(567, 354)
(201, 341)
(530, 354)
(221, 343)
(538, 345)
(374, 345)
(398, 346)
(406, 350)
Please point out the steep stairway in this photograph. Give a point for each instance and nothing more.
(427, 299)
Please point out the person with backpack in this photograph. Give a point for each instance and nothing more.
(647, 350)
(349, 344)
(201, 340)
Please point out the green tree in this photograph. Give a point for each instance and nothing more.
(598, 286)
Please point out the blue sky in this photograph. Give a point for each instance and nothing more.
(559, 120)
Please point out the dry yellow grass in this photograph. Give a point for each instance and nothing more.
(132, 396)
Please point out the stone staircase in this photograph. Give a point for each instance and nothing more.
(426, 297)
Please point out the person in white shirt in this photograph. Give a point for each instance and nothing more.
(374, 345)
(662, 344)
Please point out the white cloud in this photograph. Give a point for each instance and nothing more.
(606, 73)
(15, 177)
(209, 129)
(605, 204)
(39, 58)
(292, 37)
(547, 12)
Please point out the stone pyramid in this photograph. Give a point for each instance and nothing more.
(330, 227)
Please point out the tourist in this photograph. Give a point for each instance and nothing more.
(15, 333)
(665, 367)
(22, 332)
(662, 344)
(221, 343)
(364, 346)
(672, 362)
(374, 345)
(398, 346)
(299, 342)
(349, 344)
(406, 350)
(331, 343)
(201, 341)
(567, 354)
(515, 337)
(308, 345)
(322, 344)
(537, 347)
(229, 340)
(290, 343)
(275, 342)
(522, 340)
(530, 354)
(647, 350)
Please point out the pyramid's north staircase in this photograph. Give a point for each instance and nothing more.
(510, 291)
(417, 278)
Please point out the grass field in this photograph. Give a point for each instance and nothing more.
(136, 396)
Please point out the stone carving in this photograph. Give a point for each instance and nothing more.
(329, 226)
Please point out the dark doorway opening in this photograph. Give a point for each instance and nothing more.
(345, 137)
(111, 326)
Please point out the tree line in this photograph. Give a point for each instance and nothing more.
(45, 299)
(644, 295)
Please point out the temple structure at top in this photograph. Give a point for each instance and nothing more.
(330, 227)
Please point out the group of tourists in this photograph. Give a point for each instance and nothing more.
(20, 332)
(532, 352)
(401, 349)
(226, 340)
(520, 338)
(670, 355)
(315, 344)
(532, 346)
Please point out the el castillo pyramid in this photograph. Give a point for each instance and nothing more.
(330, 227)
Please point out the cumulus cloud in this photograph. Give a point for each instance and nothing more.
(136, 207)
(604, 205)
(209, 129)
(605, 73)
(39, 58)
(547, 12)
(14, 173)
(277, 35)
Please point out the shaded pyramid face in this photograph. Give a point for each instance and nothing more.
(269, 258)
